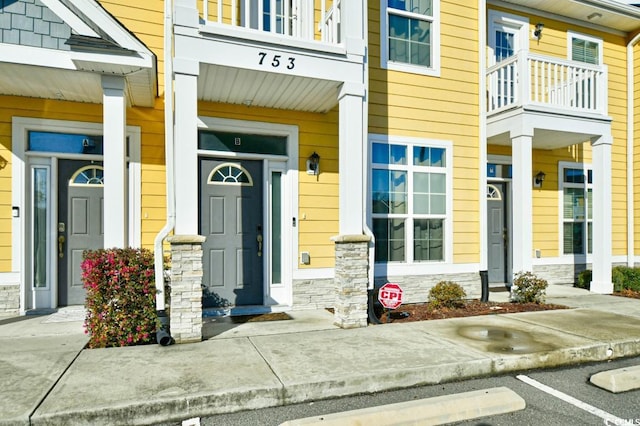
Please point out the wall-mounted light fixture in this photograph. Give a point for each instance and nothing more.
(313, 164)
(538, 179)
(537, 33)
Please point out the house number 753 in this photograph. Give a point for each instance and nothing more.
(276, 60)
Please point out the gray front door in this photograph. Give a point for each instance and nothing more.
(231, 220)
(497, 232)
(80, 223)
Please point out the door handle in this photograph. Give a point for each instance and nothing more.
(259, 239)
(61, 246)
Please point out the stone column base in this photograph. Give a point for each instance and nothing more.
(351, 280)
(185, 317)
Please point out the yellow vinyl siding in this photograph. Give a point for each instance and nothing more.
(443, 108)
(145, 19)
(152, 174)
(318, 195)
(5, 191)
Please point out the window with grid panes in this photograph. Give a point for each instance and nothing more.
(408, 202)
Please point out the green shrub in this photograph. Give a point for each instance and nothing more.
(120, 302)
(618, 278)
(446, 294)
(528, 288)
(624, 277)
(584, 279)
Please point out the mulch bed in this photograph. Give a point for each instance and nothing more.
(628, 293)
(272, 316)
(422, 311)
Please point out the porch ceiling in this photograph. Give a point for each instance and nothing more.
(263, 89)
(545, 139)
(80, 85)
(604, 13)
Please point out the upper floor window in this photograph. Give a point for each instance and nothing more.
(583, 48)
(410, 32)
(577, 206)
(410, 200)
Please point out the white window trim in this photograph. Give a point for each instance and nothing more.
(572, 34)
(503, 19)
(579, 257)
(385, 63)
(409, 266)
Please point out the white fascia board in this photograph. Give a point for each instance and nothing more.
(101, 58)
(49, 58)
(36, 56)
(70, 18)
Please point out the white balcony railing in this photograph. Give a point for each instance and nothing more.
(529, 79)
(294, 18)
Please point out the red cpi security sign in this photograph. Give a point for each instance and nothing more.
(390, 296)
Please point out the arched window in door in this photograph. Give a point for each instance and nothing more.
(493, 193)
(230, 174)
(88, 175)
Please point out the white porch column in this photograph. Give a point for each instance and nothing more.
(186, 13)
(352, 171)
(115, 166)
(601, 236)
(522, 231)
(186, 145)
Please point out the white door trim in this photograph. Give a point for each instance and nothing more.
(20, 159)
(280, 294)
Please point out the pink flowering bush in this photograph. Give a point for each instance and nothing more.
(120, 302)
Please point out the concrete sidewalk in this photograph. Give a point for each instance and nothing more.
(256, 365)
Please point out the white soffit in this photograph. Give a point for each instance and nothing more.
(609, 14)
(268, 90)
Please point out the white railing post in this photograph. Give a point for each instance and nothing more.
(247, 14)
(603, 90)
(522, 79)
(205, 10)
(234, 12)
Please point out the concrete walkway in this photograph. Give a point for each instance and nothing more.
(49, 379)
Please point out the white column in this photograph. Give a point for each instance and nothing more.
(522, 230)
(351, 168)
(601, 237)
(115, 137)
(353, 13)
(186, 13)
(186, 146)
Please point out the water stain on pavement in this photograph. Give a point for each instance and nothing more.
(504, 340)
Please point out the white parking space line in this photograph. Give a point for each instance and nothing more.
(571, 400)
